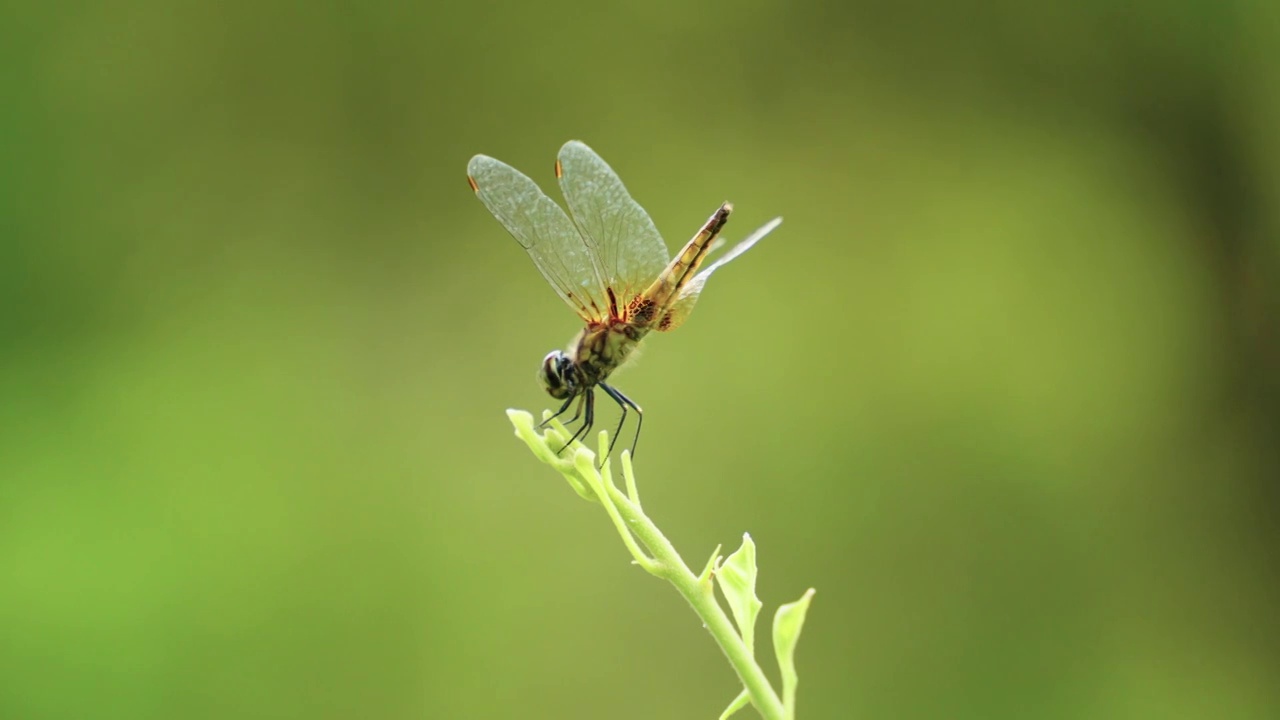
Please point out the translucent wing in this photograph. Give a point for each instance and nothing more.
(627, 245)
(680, 308)
(544, 230)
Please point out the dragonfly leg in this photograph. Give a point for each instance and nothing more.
(624, 402)
(560, 412)
(576, 413)
(590, 401)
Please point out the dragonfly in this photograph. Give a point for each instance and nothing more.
(608, 263)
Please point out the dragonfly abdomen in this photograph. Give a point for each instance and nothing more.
(666, 288)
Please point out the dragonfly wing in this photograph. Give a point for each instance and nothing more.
(629, 248)
(682, 306)
(544, 230)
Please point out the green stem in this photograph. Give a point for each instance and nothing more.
(701, 597)
(662, 561)
(598, 482)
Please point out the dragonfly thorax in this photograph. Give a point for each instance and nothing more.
(592, 356)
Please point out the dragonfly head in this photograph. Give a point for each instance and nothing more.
(558, 375)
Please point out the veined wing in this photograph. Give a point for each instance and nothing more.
(627, 245)
(544, 230)
(679, 309)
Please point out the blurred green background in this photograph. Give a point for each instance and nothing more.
(1003, 388)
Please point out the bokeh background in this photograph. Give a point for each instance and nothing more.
(1003, 388)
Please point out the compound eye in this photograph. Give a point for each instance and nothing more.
(552, 374)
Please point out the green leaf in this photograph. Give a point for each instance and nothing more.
(737, 578)
(705, 578)
(786, 633)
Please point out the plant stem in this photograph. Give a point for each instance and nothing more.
(701, 597)
(662, 561)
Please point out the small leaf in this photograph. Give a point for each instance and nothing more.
(707, 571)
(786, 633)
(737, 578)
(628, 473)
(584, 461)
(737, 704)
